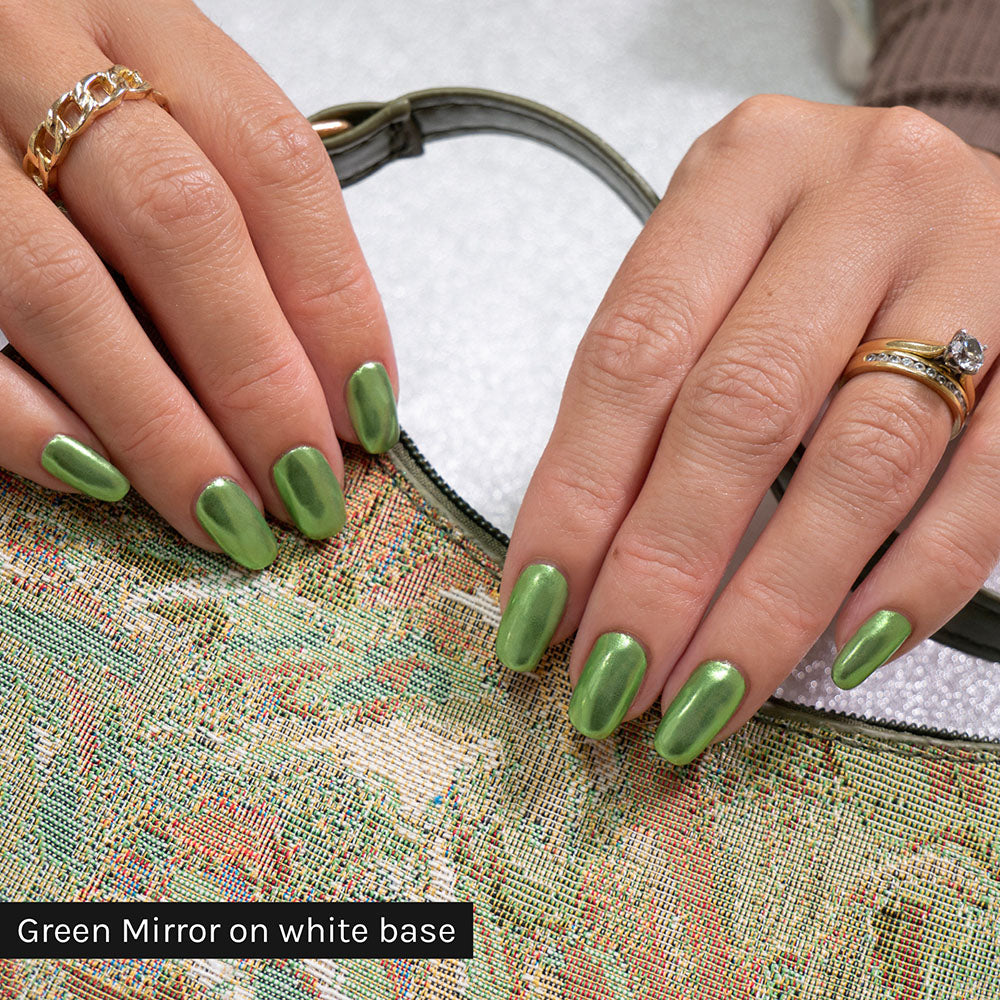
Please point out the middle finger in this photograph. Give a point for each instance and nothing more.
(742, 410)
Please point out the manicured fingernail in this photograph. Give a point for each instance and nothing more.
(310, 490)
(232, 519)
(611, 676)
(873, 644)
(372, 407)
(81, 467)
(700, 709)
(536, 604)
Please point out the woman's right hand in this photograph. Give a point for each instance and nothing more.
(225, 218)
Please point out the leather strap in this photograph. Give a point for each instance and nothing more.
(377, 134)
(362, 138)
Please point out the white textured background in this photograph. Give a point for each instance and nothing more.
(491, 253)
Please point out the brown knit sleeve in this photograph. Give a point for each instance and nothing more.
(942, 56)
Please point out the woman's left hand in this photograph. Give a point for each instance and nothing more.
(790, 232)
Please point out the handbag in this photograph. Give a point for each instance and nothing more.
(337, 727)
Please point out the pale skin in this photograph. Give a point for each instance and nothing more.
(790, 232)
(226, 219)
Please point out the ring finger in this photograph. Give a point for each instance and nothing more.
(867, 464)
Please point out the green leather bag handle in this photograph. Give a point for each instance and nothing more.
(362, 138)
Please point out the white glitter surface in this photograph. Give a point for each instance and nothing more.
(491, 253)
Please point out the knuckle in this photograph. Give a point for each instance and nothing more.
(281, 151)
(632, 344)
(985, 211)
(904, 144)
(980, 209)
(659, 574)
(584, 498)
(750, 400)
(155, 433)
(47, 282)
(878, 454)
(177, 193)
(344, 286)
(276, 376)
(782, 596)
(957, 556)
(753, 120)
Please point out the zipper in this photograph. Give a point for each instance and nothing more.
(408, 458)
(419, 472)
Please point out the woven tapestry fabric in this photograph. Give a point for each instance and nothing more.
(173, 728)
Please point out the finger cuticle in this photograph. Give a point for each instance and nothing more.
(699, 710)
(310, 492)
(874, 643)
(608, 685)
(79, 466)
(232, 519)
(371, 405)
(532, 614)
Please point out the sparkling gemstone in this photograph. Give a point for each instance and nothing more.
(965, 353)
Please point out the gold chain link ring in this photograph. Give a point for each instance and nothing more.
(74, 111)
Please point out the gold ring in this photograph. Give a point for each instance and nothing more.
(946, 368)
(74, 111)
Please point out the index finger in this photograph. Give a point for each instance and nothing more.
(282, 177)
(672, 292)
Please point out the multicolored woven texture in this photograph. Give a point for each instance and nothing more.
(336, 727)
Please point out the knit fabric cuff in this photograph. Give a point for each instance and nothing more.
(940, 56)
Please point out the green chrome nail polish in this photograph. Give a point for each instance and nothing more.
(372, 407)
(232, 519)
(536, 604)
(79, 466)
(873, 643)
(610, 679)
(702, 707)
(310, 491)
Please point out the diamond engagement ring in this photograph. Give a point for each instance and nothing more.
(94, 95)
(945, 368)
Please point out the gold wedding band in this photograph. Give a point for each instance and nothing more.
(945, 368)
(74, 111)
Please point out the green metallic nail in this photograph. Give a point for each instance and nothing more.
(536, 604)
(873, 644)
(232, 519)
(79, 466)
(372, 407)
(611, 676)
(702, 707)
(310, 491)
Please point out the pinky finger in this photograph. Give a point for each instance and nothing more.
(937, 563)
(45, 441)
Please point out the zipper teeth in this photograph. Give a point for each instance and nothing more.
(917, 729)
(449, 493)
(463, 507)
